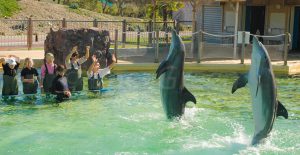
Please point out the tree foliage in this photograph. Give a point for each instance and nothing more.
(8, 7)
(131, 8)
(163, 8)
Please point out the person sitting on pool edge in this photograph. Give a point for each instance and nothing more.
(10, 67)
(48, 71)
(29, 77)
(95, 75)
(60, 85)
(73, 64)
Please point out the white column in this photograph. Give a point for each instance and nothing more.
(236, 29)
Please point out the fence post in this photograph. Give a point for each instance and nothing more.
(138, 38)
(174, 24)
(123, 33)
(200, 49)
(166, 33)
(36, 37)
(29, 34)
(150, 33)
(64, 23)
(116, 45)
(243, 48)
(194, 44)
(157, 46)
(95, 23)
(286, 47)
(177, 26)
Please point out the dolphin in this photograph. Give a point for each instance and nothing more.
(174, 95)
(265, 105)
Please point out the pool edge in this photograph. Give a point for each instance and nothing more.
(290, 69)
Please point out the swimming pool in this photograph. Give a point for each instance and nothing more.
(129, 119)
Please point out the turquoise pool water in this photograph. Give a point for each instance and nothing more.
(129, 119)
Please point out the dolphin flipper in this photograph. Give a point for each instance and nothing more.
(188, 96)
(163, 67)
(281, 110)
(240, 82)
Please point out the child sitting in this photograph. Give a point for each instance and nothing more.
(60, 85)
(95, 75)
(10, 83)
(48, 73)
(29, 77)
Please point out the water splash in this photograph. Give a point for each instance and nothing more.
(231, 144)
(268, 145)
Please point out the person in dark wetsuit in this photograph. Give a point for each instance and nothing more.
(10, 83)
(60, 85)
(73, 64)
(29, 77)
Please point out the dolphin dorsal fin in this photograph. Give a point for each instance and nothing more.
(163, 67)
(240, 82)
(281, 110)
(188, 96)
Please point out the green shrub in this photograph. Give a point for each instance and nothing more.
(8, 7)
(99, 8)
(135, 27)
(112, 10)
(131, 10)
(74, 6)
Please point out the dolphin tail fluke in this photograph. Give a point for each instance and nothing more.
(281, 111)
(258, 138)
(188, 96)
(163, 67)
(240, 82)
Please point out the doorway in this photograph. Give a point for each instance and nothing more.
(255, 20)
(296, 34)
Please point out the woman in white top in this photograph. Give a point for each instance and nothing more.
(95, 74)
(73, 65)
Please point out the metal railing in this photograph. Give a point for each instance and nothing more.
(29, 32)
(201, 45)
(221, 46)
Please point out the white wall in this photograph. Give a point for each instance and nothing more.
(277, 20)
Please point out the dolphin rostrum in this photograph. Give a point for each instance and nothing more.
(265, 105)
(173, 93)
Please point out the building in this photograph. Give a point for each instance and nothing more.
(264, 17)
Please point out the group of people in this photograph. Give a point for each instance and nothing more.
(60, 80)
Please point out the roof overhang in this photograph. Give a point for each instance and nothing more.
(292, 2)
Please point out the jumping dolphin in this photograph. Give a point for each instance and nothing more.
(261, 79)
(173, 93)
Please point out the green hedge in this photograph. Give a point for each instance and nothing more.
(8, 7)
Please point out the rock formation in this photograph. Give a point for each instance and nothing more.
(61, 42)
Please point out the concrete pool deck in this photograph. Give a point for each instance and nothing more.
(220, 66)
(213, 66)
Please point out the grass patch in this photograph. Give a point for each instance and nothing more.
(8, 7)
